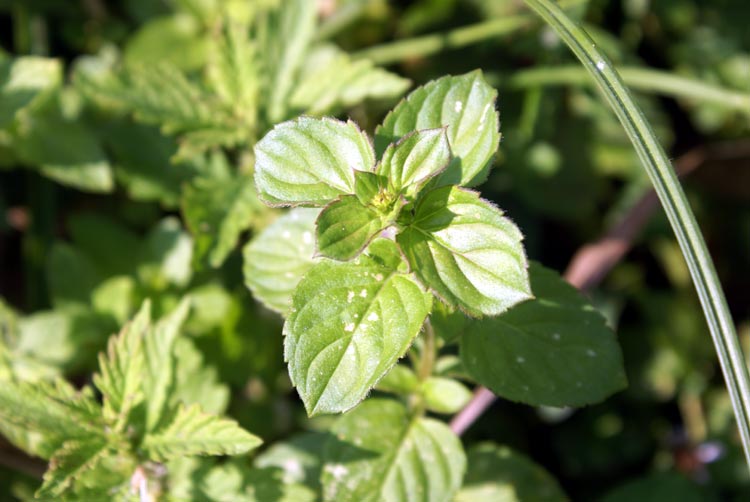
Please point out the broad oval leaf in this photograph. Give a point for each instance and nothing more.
(466, 105)
(310, 161)
(277, 258)
(350, 323)
(345, 227)
(445, 395)
(555, 350)
(499, 474)
(378, 453)
(467, 252)
(414, 159)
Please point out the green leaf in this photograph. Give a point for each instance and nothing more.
(466, 105)
(233, 72)
(657, 487)
(277, 258)
(299, 457)
(330, 80)
(143, 160)
(288, 33)
(349, 324)
(158, 356)
(499, 474)
(555, 350)
(23, 79)
(378, 453)
(72, 461)
(175, 38)
(445, 395)
(195, 381)
(399, 380)
(65, 150)
(71, 276)
(101, 239)
(310, 161)
(466, 251)
(166, 256)
(414, 159)
(217, 211)
(193, 432)
(53, 412)
(345, 227)
(121, 369)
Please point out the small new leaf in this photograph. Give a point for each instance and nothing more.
(467, 252)
(310, 161)
(193, 432)
(158, 344)
(379, 453)
(414, 159)
(555, 350)
(466, 105)
(121, 369)
(277, 258)
(350, 323)
(345, 227)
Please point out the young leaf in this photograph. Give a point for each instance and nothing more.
(466, 105)
(310, 161)
(277, 258)
(289, 31)
(414, 159)
(193, 432)
(217, 211)
(345, 227)
(555, 350)
(445, 395)
(466, 251)
(70, 463)
(234, 74)
(158, 345)
(121, 369)
(330, 80)
(379, 453)
(64, 150)
(497, 473)
(350, 323)
(22, 80)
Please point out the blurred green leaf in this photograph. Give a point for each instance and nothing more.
(554, 350)
(23, 79)
(499, 474)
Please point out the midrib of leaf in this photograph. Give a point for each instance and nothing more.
(349, 341)
(675, 204)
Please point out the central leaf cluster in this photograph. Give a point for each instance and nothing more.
(361, 304)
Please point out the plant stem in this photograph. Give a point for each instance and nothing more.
(675, 205)
(642, 79)
(399, 50)
(429, 350)
(393, 52)
(339, 20)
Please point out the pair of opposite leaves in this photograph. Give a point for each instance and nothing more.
(352, 319)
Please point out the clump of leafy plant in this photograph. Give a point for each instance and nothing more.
(115, 450)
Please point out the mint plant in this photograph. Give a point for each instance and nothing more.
(400, 232)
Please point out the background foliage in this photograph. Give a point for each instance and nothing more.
(126, 135)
